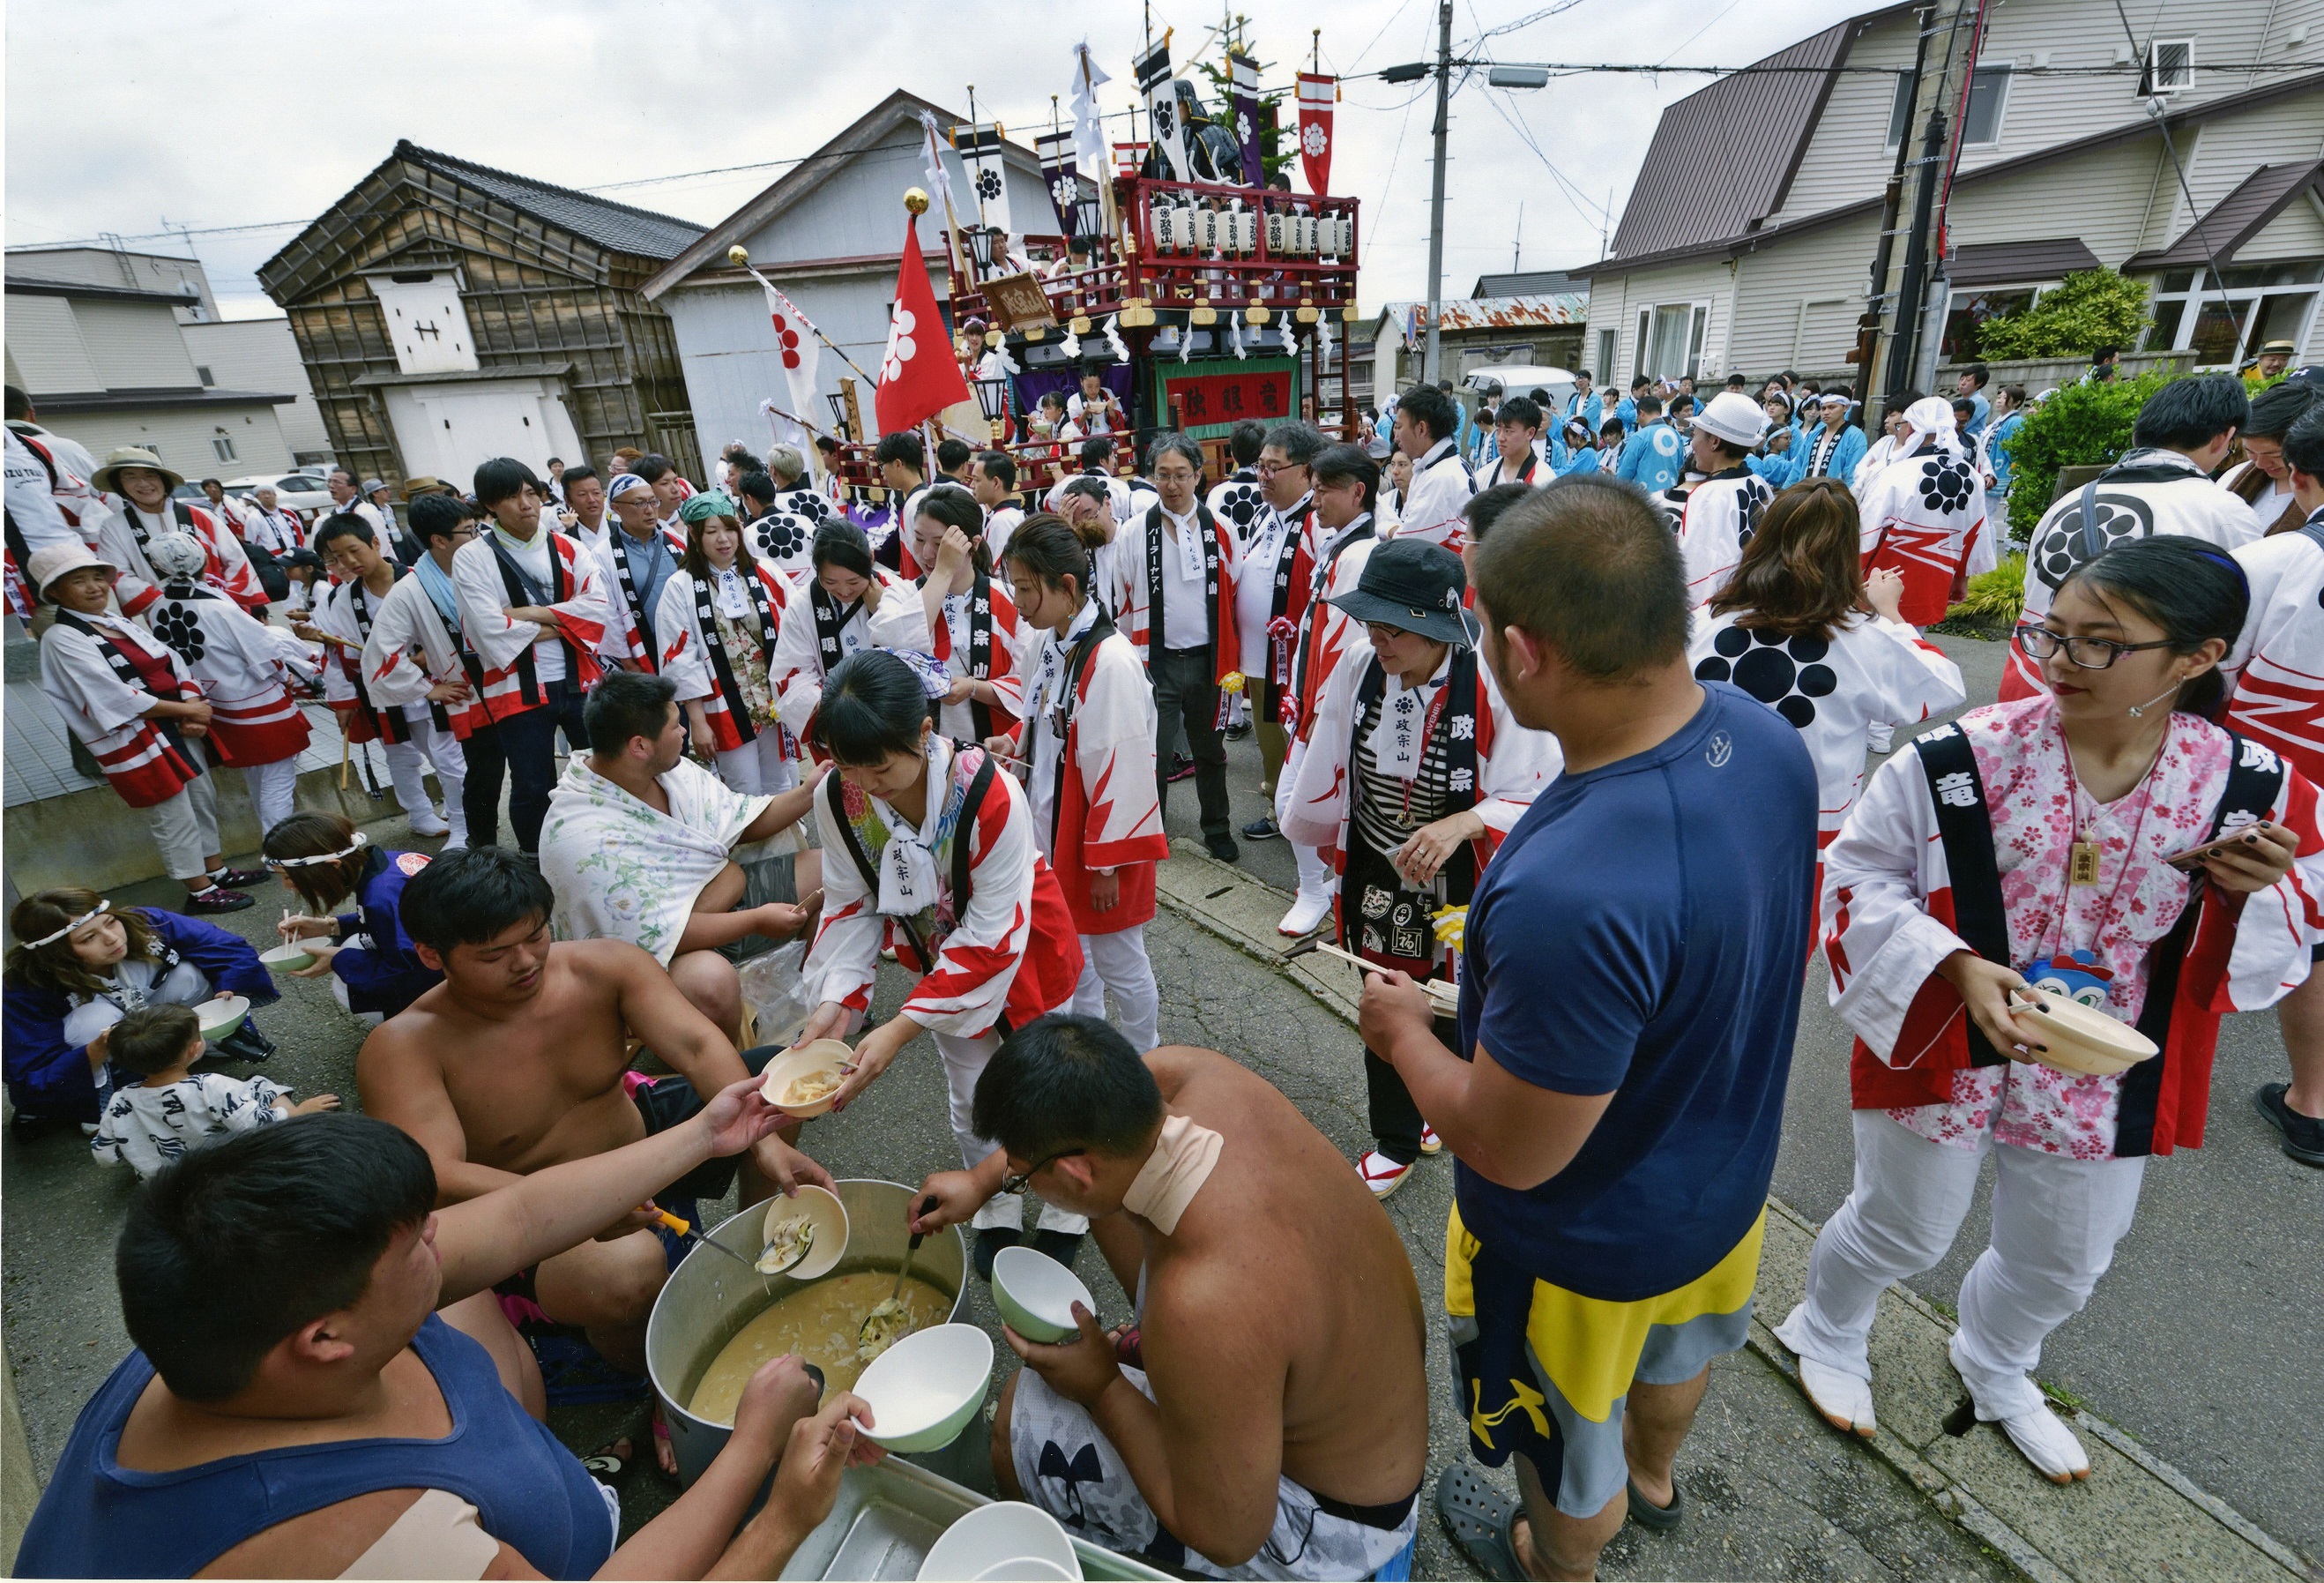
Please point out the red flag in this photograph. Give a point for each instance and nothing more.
(1315, 96)
(917, 376)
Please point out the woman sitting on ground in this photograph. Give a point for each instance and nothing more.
(324, 860)
(79, 963)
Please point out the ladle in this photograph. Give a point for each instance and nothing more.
(683, 1228)
(903, 1269)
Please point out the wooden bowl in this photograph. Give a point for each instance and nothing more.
(2082, 1040)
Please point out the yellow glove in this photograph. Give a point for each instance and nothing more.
(1233, 681)
(1452, 926)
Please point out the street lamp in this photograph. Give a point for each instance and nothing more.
(980, 247)
(1089, 215)
(838, 412)
(992, 396)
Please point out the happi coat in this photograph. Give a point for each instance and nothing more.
(1871, 671)
(412, 648)
(1920, 515)
(696, 657)
(484, 592)
(349, 612)
(976, 636)
(1327, 633)
(2275, 672)
(1716, 519)
(1140, 547)
(1441, 487)
(623, 869)
(1278, 555)
(103, 672)
(633, 632)
(2148, 492)
(1088, 742)
(242, 667)
(123, 533)
(1005, 954)
(1897, 902)
(819, 634)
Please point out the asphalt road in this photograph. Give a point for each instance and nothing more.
(2206, 1341)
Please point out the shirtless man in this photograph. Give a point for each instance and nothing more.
(515, 1063)
(1282, 1401)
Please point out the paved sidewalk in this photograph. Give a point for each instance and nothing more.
(2138, 1518)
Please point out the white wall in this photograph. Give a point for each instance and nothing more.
(46, 353)
(182, 436)
(1615, 301)
(447, 428)
(261, 354)
(135, 346)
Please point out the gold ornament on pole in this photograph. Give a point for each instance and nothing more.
(738, 255)
(916, 201)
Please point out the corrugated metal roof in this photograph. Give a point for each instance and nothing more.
(1998, 264)
(2236, 218)
(1722, 156)
(1535, 283)
(616, 226)
(1461, 313)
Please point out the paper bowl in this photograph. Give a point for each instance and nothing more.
(1005, 1540)
(822, 1055)
(1036, 1294)
(2083, 1039)
(822, 1208)
(222, 1016)
(925, 1389)
(287, 958)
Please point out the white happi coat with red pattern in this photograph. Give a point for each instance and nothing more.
(506, 647)
(1920, 513)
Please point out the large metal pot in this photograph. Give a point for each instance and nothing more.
(709, 1297)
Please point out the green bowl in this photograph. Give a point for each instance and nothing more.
(220, 1017)
(286, 957)
(929, 1386)
(1036, 1294)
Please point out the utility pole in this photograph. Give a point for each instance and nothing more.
(1944, 58)
(1436, 185)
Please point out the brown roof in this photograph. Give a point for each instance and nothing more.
(2005, 263)
(2236, 218)
(1741, 242)
(1722, 156)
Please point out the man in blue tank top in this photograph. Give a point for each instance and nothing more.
(322, 1377)
(1629, 990)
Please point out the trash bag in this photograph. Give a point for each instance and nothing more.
(773, 996)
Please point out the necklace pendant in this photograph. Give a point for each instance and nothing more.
(2082, 865)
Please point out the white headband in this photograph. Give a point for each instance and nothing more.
(361, 841)
(50, 940)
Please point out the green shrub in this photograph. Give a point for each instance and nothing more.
(2091, 308)
(2081, 425)
(1994, 599)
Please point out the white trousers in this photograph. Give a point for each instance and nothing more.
(758, 766)
(964, 1062)
(1314, 862)
(1118, 962)
(408, 763)
(185, 827)
(2055, 1223)
(273, 790)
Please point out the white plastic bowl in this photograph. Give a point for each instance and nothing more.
(2083, 1039)
(925, 1389)
(821, 1055)
(221, 1016)
(1036, 1294)
(822, 1208)
(288, 957)
(1005, 1540)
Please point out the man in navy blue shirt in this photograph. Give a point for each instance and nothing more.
(1630, 991)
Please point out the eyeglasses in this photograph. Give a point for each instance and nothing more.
(2087, 653)
(1016, 1180)
(1268, 469)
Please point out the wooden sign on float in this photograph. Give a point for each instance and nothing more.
(1019, 303)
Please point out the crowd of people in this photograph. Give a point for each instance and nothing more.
(1573, 757)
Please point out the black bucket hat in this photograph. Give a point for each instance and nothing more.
(1415, 586)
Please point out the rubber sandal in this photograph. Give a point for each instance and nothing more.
(1652, 1518)
(609, 1461)
(1128, 1345)
(661, 1436)
(1479, 1521)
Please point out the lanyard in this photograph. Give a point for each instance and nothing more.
(2084, 855)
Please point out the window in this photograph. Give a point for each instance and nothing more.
(223, 445)
(1900, 114)
(202, 373)
(1638, 349)
(1670, 340)
(1606, 352)
(1988, 92)
(1966, 314)
(2226, 316)
(2169, 68)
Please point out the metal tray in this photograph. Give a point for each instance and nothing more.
(888, 1517)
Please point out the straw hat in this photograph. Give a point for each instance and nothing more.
(109, 477)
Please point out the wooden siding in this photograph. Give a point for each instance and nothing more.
(2297, 233)
(1797, 302)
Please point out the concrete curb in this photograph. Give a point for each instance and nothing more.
(2137, 1520)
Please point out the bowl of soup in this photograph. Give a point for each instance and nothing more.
(805, 1082)
(717, 1320)
(287, 958)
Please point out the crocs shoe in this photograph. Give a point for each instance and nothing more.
(235, 879)
(1381, 1173)
(1429, 1142)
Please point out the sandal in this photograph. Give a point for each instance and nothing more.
(1128, 1345)
(661, 1440)
(1479, 1521)
(1652, 1518)
(611, 1460)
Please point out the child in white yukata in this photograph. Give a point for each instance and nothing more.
(151, 1122)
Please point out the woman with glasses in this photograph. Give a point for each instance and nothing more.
(930, 851)
(1800, 628)
(324, 860)
(415, 658)
(2056, 848)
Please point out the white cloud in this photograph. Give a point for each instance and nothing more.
(229, 116)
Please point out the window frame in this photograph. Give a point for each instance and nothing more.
(222, 446)
(1690, 340)
(2149, 87)
(2007, 71)
(2208, 288)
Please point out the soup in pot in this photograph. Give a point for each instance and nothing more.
(822, 1323)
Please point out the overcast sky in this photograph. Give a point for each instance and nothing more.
(123, 114)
